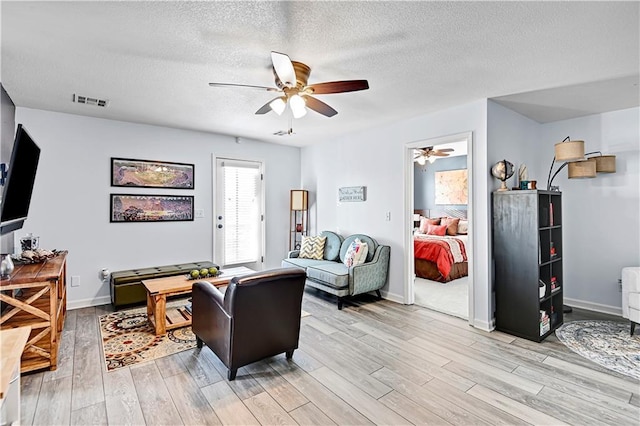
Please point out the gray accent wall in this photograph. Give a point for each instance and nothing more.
(424, 182)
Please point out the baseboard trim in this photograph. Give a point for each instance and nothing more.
(483, 325)
(87, 303)
(597, 307)
(392, 297)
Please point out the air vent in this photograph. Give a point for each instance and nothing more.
(90, 101)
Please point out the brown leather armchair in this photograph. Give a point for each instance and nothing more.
(257, 317)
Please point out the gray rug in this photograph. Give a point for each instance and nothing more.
(607, 343)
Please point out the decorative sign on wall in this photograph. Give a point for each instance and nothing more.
(351, 193)
(451, 187)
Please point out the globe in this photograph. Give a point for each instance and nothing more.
(502, 170)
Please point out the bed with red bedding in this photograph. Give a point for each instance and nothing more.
(440, 258)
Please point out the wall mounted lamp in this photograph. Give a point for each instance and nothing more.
(581, 166)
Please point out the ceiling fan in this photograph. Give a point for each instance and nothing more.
(291, 79)
(421, 155)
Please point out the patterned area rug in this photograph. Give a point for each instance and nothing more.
(128, 338)
(607, 343)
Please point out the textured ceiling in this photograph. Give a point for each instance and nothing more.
(153, 60)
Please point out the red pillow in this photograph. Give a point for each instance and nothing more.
(439, 230)
(426, 221)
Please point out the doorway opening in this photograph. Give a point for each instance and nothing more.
(438, 203)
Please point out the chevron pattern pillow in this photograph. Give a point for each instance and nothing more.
(312, 248)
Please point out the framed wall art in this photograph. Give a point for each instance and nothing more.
(451, 187)
(151, 208)
(151, 174)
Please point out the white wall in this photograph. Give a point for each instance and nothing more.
(516, 138)
(601, 225)
(70, 205)
(375, 159)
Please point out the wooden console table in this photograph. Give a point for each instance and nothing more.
(36, 295)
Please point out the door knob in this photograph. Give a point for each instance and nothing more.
(220, 226)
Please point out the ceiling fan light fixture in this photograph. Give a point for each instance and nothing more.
(421, 160)
(432, 159)
(278, 105)
(298, 106)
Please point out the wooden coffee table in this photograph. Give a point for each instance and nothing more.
(159, 288)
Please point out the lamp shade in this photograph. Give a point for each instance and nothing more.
(606, 164)
(569, 151)
(278, 105)
(299, 199)
(298, 106)
(582, 169)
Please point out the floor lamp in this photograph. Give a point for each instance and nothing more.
(580, 167)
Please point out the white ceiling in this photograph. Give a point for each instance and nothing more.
(153, 60)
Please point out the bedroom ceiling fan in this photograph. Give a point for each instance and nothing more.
(422, 155)
(291, 79)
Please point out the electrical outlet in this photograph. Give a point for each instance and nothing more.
(199, 213)
(388, 217)
(75, 281)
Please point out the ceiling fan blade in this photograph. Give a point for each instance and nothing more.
(284, 69)
(445, 150)
(319, 106)
(268, 89)
(265, 108)
(338, 86)
(439, 154)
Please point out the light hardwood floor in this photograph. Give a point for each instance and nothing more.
(373, 362)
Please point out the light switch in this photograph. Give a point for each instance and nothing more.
(388, 217)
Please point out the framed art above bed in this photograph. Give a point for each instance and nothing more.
(451, 187)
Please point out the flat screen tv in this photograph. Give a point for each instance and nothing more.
(18, 186)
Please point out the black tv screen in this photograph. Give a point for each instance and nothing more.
(18, 186)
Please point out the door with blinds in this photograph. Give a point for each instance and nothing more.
(239, 218)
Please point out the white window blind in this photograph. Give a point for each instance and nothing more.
(241, 211)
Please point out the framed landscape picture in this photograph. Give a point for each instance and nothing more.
(151, 174)
(151, 208)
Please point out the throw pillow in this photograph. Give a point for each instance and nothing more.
(424, 221)
(463, 227)
(312, 248)
(452, 225)
(356, 253)
(440, 230)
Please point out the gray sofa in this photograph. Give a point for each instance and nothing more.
(332, 276)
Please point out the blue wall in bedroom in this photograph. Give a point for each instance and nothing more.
(424, 185)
